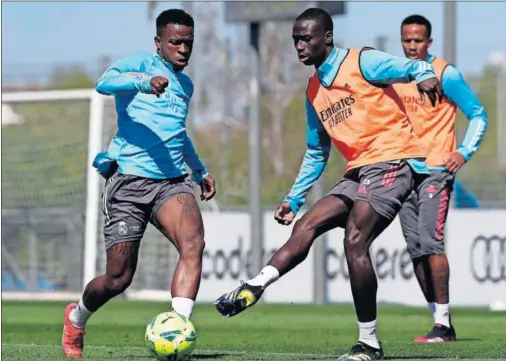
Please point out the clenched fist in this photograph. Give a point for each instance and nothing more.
(284, 214)
(158, 85)
(431, 87)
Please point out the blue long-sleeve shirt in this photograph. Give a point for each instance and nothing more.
(456, 89)
(378, 68)
(151, 141)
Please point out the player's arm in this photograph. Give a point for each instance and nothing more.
(313, 163)
(106, 162)
(458, 91)
(382, 68)
(191, 158)
(126, 75)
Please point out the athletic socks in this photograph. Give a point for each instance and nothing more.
(368, 334)
(80, 315)
(442, 314)
(268, 275)
(183, 306)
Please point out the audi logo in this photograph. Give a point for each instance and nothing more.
(488, 259)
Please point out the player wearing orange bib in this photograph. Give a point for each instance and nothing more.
(351, 103)
(423, 215)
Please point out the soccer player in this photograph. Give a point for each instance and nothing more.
(423, 215)
(351, 103)
(149, 151)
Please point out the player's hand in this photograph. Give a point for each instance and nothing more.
(454, 161)
(208, 188)
(284, 214)
(158, 85)
(432, 88)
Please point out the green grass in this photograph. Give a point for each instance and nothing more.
(32, 330)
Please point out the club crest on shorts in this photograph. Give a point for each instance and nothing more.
(122, 228)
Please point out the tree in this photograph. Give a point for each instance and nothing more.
(283, 79)
(71, 77)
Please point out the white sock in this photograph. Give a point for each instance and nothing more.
(80, 315)
(368, 333)
(432, 309)
(183, 306)
(268, 275)
(442, 314)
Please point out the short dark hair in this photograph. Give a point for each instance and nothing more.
(418, 20)
(320, 16)
(173, 16)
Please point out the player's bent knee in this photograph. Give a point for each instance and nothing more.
(305, 228)
(117, 284)
(354, 240)
(192, 247)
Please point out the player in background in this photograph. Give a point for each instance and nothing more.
(423, 215)
(351, 103)
(150, 151)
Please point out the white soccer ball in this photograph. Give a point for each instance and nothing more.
(170, 336)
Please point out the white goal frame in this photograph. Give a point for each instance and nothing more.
(95, 140)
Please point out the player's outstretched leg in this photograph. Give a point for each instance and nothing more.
(328, 213)
(180, 219)
(120, 268)
(363, 226)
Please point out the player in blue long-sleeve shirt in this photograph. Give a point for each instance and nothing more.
(350, 103)
(423, 215)
(145, 168)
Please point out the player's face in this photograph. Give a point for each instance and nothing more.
(175, 45)
(310, 41)
(415, 41)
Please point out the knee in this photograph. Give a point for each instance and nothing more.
(192, 247)
(119, 282)
(303, 228)
(354, 240)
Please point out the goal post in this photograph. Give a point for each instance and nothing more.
(93, 186)
(94, 145)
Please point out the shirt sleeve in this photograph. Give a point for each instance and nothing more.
(191, 158)
(382, 68)
(124, 76)
(314, 161)
(457, 90)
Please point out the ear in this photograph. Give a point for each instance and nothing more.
(329, 37)
(430, 42)
(157, 42)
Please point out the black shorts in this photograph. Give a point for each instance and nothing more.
(129, 202)
(423, 215)
(384, 185)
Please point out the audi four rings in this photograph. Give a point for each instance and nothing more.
(488, 259)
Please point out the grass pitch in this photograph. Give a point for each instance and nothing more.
(32, 331)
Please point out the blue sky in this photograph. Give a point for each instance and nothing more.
(37, 34)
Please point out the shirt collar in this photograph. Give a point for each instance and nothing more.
(328, 64)
(166, 63)
(429, 58)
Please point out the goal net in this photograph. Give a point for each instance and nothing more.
(52, 241)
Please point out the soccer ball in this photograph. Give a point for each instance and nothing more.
(170, 336)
